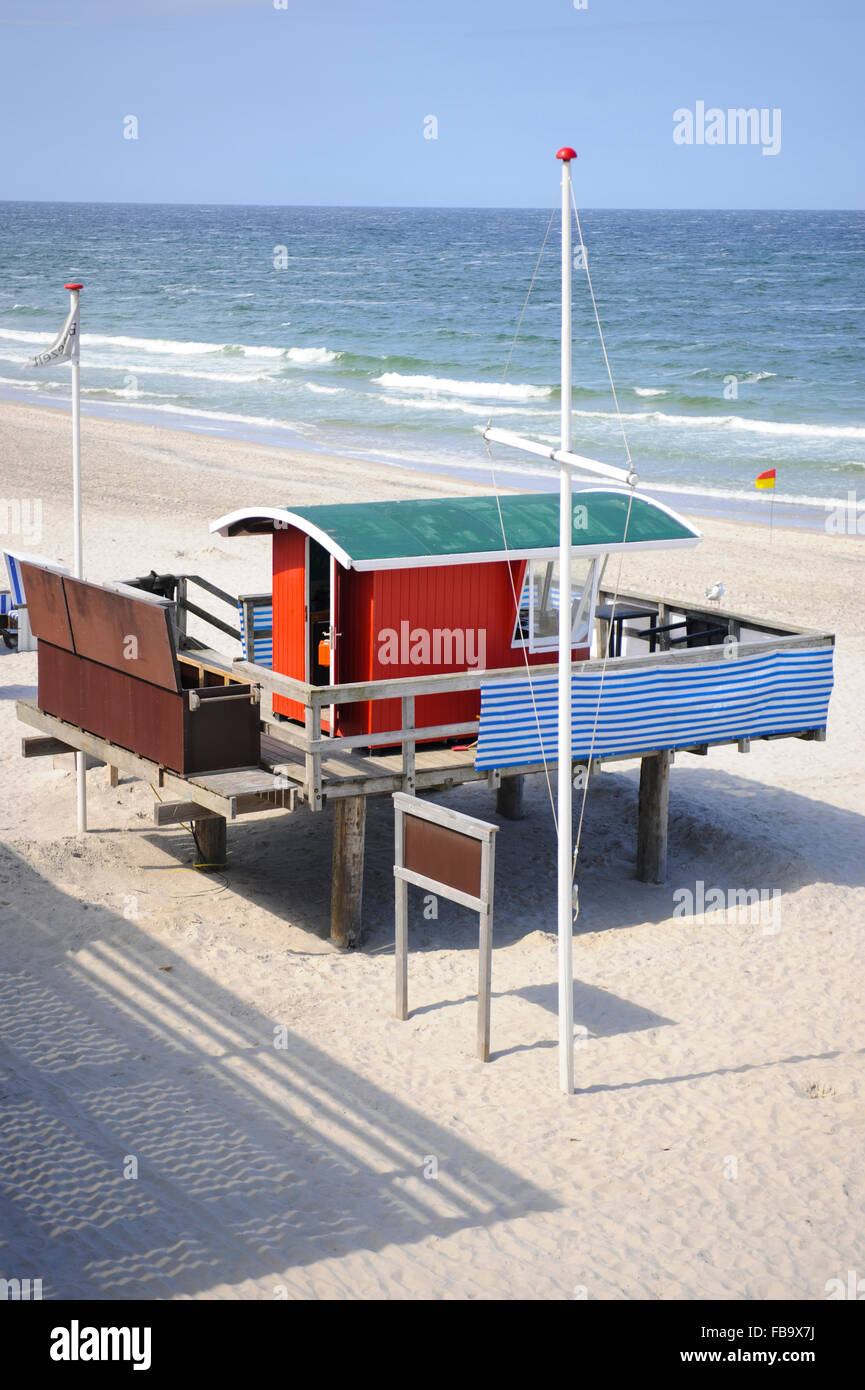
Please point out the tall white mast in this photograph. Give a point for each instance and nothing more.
(78, 554)
(565, 837)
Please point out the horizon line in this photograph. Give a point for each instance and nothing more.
(405, 207)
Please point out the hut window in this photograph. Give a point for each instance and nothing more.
(537, 624)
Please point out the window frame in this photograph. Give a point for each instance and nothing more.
(581, 631)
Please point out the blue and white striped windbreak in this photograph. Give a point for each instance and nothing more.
(657, 707)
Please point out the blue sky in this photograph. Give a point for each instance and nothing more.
(324, 101)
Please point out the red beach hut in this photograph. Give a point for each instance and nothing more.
(371, 591)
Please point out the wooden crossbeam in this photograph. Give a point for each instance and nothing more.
(44, 747)
(179, 812)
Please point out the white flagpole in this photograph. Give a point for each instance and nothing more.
(78, 560)
(565, 894)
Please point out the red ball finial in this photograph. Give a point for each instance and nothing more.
(566, 153)
(73, 287)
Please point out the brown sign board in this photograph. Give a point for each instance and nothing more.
(449, 856)
(444, 851)
(46, 605)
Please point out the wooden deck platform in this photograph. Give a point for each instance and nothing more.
(303, 765)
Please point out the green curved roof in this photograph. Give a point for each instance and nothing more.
(434, 531)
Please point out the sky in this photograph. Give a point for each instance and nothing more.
(430, 102)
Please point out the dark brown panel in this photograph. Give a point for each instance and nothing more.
(155, 723)
(141, 717)
(221, 733)
(46, 605)
(443, 854)
(131, 635)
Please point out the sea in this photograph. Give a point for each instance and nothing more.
(735, 339)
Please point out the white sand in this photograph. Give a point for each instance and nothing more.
(714, 1148)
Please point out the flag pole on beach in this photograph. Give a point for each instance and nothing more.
(565, 871)
(564, 750)
(75, 363)
(65, 348)
(767, 480)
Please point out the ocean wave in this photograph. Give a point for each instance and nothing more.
(311, 356)
(174, 347)
(324, 390)
(433, 403)
(793, 499)
(747, 378)
(20, 385)
(219, 416)
(651, 391)
(128, 393)
(486, 390)
(732, 422)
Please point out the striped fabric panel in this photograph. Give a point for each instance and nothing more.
(657, 707)
(262, 636)
(13, 569)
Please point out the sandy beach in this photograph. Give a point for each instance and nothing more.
(157, 1140)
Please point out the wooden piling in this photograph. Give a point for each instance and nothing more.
(652, 818)
(346, 898)
(211, 839)
(509, 798)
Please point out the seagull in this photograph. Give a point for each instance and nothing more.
(716, 593)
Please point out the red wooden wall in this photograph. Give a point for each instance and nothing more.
(289, 615)
(471, 596)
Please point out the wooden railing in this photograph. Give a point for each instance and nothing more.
(315, 746)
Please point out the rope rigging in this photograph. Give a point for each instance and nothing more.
(562, 580)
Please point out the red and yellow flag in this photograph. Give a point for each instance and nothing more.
(766, 479)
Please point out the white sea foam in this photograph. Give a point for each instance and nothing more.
(323, 390)
(651, 391)
(311, 356)
(486, 390)
(732, 422)
(129, 393)
(434, 403)
(174, 348)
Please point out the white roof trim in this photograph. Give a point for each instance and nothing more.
(282, 519)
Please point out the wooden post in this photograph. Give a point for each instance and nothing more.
(210, 835)
(509, 798)
(312, 727)
(401, 919)
(346, 898)
(485, 948)
(409, 745)
(180, 614)
(652, 818)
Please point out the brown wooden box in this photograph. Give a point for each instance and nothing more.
(107, 663)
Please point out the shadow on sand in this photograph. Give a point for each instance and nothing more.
(252, 1158)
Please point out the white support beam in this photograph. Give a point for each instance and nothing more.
(560, 456)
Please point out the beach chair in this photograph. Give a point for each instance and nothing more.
(18, 601)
